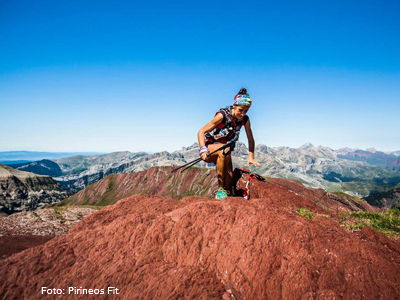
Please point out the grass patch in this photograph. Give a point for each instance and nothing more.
(387, 222)
(355, 198)
(60, 208)
(305, 213)
(309, 214)
(62, 203)
(58, 211)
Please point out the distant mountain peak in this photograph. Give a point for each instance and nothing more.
(307, 146)
(194, 146)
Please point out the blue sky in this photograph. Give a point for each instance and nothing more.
(145, 76)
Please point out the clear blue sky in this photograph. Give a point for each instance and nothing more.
(124, 75)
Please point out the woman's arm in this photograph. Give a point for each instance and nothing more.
(206, 128)
(250, 139)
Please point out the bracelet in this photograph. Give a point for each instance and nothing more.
(204, 149)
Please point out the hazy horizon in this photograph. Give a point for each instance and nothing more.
(179, 148)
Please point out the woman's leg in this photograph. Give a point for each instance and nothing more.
(224, 166)
(228, 183)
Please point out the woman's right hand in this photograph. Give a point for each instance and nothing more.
(204, 152)
(204, 156)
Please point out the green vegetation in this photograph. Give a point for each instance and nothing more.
(309, 214)
(201, 181)
(59, 215)
(305, 213)
(58, 207)
(292, 178)
(387, 198)
(109, 195)
(363, 187)
(64, 203)
(363, 180)
(387, 222)
(355, 198)
(336, 177)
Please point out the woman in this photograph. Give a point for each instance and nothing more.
(224, 127)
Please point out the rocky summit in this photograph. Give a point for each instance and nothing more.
(152, 247)
(21, 191)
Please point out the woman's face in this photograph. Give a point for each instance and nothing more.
(239, 111)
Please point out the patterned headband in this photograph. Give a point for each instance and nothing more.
(242, 100)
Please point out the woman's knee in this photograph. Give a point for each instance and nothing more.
(226, 159)
(222, 154)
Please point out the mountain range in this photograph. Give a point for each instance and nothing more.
(357, 172)
(14, 157)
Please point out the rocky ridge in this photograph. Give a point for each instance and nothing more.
(44, 166)
(20, 191)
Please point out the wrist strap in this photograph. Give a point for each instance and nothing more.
(204, 149)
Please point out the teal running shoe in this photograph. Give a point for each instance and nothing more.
(221, 194)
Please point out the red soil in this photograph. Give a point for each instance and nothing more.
(335, 204)
(17, 243)
(151, 247)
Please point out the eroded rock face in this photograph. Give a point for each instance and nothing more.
(23, 191)
(151, 247)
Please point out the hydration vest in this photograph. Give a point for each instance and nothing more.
(227, 129)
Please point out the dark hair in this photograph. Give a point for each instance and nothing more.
(242, 91)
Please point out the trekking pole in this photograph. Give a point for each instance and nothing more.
(199, 159)
(192, 163)
(189, 163)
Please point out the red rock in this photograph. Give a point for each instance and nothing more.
(151, 247)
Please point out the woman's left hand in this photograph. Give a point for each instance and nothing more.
(252, 161)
